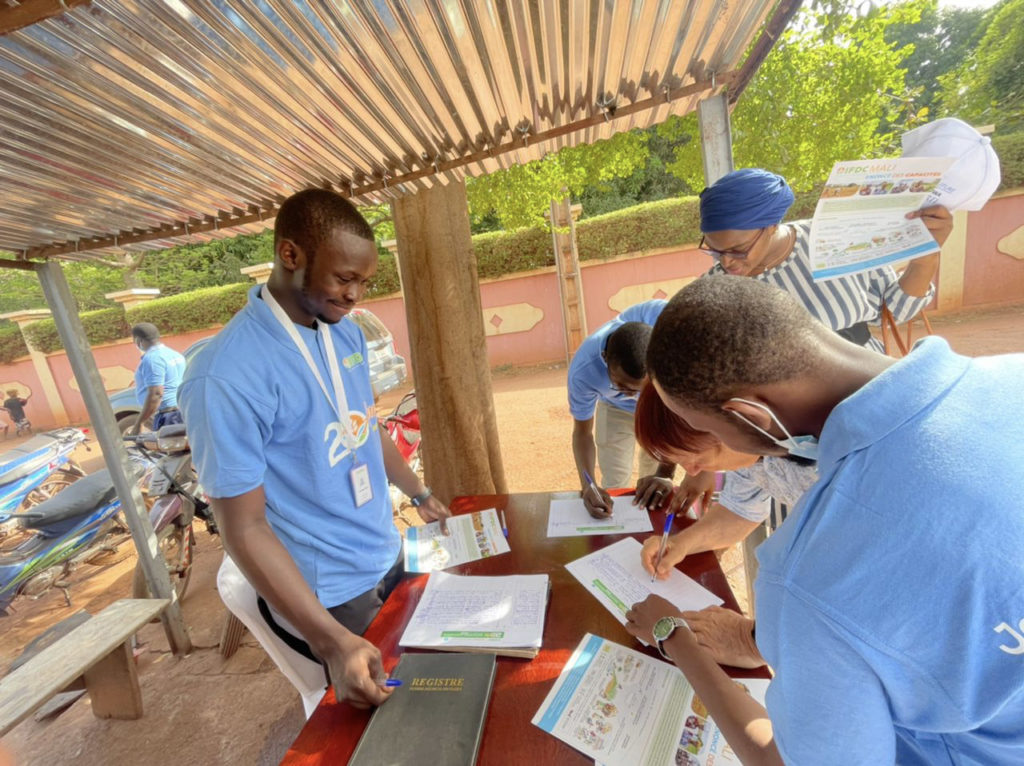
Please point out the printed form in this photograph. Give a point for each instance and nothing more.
(570, 518)
(473, 536)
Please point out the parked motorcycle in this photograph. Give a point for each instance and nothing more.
(174, 499)
(36, 471)
(80, 524)
(403, 426)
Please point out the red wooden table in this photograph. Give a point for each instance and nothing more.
(331, 734)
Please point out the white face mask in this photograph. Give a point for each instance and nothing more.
(798, 446)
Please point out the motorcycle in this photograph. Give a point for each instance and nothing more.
(79, 525)
(174, 498)
(36, 471)
(403, 426)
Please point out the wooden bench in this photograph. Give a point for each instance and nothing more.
(98, 651)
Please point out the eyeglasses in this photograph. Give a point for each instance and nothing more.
(737, 253)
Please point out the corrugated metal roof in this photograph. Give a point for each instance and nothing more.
(136, 118)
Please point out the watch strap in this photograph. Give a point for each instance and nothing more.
(421, 498)
(677, 622)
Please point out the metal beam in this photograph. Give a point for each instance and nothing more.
(715, 137)
(30, 12)
(784, 13)
(268, 208)
(72, 334)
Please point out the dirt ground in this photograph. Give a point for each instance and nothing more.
(202, 710)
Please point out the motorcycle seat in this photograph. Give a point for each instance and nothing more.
(78, 499)
(22, 460)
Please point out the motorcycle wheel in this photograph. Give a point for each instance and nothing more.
(57, 481)
(176, 545)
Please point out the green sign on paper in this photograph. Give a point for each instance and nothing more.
(611, 596)
(602, 528)
(482, 634)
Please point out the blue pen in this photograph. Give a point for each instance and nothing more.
(664, 541)
(389, 682)
(593, 486)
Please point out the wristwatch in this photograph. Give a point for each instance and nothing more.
(421, 498)
(664, 628)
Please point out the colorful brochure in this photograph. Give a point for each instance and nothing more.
(473, 536)
(860, 222)
(624, 708)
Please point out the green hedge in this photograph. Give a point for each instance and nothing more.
(12, 343)
(101, 326)
(502, 252)
(385, 281)
(1010, 149)
(195, 310)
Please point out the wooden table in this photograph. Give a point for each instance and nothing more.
(331, 734)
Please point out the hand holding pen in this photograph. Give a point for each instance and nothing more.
(597, 501)
(664, 541)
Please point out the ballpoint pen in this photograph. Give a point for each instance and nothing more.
(593, 486)
(389, 682)
(504, 524)
(664, 541)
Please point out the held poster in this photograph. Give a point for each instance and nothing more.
(860, 222)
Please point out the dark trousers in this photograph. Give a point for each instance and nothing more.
(356, 614)
(168, 417)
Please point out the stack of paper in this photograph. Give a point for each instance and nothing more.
(504, 615)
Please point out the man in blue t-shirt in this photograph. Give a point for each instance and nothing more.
(605, 376)
(890, 602)
(281, 416)
(157, 379)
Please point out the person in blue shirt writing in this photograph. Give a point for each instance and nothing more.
(605, 377)
(890, 602)
(286, 439)
(157, 379)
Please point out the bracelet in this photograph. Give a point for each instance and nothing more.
(421, 498)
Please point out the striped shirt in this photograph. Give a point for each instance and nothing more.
(845, 301)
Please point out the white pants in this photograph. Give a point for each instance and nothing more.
(239, 596)
(616, 447)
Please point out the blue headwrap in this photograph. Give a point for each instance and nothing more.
(744, 199)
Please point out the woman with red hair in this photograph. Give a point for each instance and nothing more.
(745, 502)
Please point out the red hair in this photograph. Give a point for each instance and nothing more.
(661, 431)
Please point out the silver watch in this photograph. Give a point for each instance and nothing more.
(664, 628)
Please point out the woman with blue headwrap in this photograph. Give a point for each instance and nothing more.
(741, 219)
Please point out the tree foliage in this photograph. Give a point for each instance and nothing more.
(818, 98)
(989, 86)
(520, 195)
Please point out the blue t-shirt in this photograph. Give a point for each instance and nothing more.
(588, 373)
(891, 602)
(256, 416)
(160, 366)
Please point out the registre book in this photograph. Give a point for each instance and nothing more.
(436, 716)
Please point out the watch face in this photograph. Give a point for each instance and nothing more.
(663, 628)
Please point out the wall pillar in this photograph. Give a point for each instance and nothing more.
(461, 452)
(50, 391)
(133, 296)
(259, 273)
(952, 262)
(715, 137)
(562, 218)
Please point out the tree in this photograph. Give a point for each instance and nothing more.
(989, 86)
(942, 39)
(818, 98)
(520, 195)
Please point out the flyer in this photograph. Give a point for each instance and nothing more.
(624, 708)
(570, 518)
(473, 536)
(860, 222)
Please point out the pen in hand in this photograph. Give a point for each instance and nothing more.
(388, 682)
(664, 541)
(597, 493)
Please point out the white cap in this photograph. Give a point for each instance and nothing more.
(973, 178)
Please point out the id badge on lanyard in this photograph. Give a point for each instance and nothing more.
(362, 489)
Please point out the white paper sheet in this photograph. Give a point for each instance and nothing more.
(485, 612)
(860, 221)
(618, 580)
(570, 518)
(623, 708)
(473, 536)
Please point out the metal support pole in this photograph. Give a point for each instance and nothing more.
(69, 326)
(715, 137)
